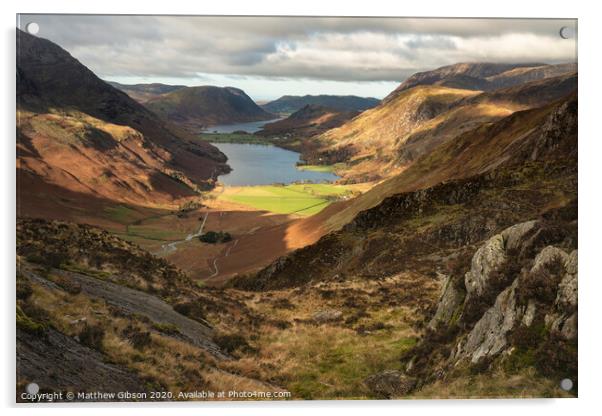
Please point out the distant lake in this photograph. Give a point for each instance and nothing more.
(256, 164)
(250, 127)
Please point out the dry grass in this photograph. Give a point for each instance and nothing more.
(526, 384)
(166, 364)
(329, 360)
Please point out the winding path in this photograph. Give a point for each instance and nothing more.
(171, 247)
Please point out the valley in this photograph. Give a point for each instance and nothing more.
(326, 247)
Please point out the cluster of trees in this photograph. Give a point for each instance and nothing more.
(214, 237)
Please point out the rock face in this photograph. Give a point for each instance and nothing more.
(491, 256)
(451, 299)
(524, 282)
(489, 336)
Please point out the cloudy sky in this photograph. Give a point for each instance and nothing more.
(272, 56)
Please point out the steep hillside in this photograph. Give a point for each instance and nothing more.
(288, 104)
(490, 217)
(385, 140)
(200, 107)
(308, 121)
(368, 143)
(95, 312)
(534, 150)
(82, 143)
(144, 92)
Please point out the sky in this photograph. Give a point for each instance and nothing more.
(273, 56)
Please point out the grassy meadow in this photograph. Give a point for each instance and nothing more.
(301, 199)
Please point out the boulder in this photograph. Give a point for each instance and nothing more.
(327, 315)
(390, 383)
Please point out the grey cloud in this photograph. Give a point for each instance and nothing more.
(347, 49)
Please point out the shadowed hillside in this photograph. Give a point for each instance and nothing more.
(79, 136)
(200, 107)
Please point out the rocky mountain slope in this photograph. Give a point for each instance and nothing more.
(200, 107)
(81, 142)
(144, 92)
(385, 140)
(288, 104)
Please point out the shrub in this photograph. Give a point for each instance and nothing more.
(92, 336)
(230, 343)
(141, 339)
(193, 310)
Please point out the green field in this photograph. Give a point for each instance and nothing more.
(302, 199)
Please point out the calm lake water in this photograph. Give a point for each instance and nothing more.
(256, 164)
(251, 127)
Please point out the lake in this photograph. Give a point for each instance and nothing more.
(257, 164)
(251, 127)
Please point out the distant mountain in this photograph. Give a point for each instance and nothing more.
(144, 92)
(83, 146)
(308, 121)
(200, 107)
(288, 104)
(483, 76)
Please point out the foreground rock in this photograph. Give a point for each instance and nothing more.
(516, 307)
(390, 383)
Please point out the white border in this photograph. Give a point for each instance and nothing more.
(589, 175)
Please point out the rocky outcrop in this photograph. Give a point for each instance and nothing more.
(489, 336)
(491, 257)
(526, 297)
